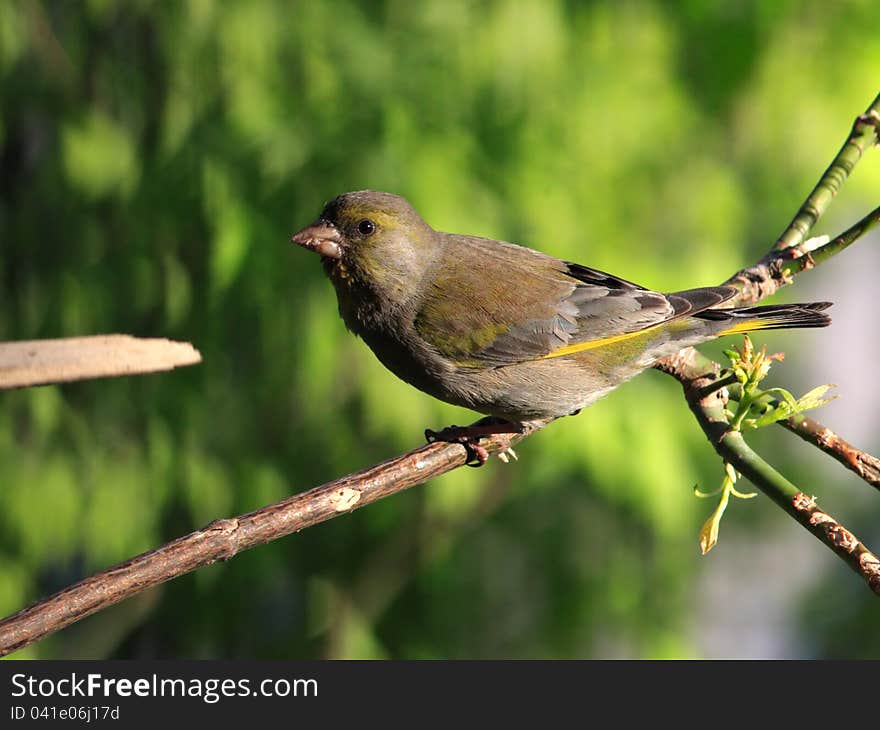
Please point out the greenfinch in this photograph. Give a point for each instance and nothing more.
(502, 329)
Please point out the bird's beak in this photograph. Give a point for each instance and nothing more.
(322, 238)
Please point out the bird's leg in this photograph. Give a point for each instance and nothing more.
(469, 436)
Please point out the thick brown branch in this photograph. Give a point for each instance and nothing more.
(225, 538)
(41, 362)
(844, 544)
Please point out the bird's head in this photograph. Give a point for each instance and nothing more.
(372, 239)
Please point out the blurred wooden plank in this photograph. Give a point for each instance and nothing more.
(41, 362)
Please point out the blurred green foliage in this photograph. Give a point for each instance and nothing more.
(154, 158)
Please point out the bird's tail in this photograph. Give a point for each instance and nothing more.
(772, 317)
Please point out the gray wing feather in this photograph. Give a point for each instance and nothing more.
(594, 311)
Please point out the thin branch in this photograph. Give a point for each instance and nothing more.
(808, 259)
(697, 375)
(789, 255)
(777, 268)
(41, 362)
(863, 464)
(225, 538)
(865, 133)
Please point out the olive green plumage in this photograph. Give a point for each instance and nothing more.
(500, 328)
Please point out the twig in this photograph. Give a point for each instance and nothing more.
(863, 464)
(789, 255)
(776, 269)
(697, 374)
(40, 362)
(865, 133)
(225, 538)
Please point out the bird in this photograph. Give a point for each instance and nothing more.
(503, 329)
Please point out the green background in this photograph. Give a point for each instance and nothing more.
(155, 158)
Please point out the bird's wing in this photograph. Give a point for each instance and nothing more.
(491, 304)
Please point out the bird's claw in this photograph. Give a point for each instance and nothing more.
(476, 455)
(469, 437)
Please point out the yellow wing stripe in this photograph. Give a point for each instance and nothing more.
(593, 344)
(750, 325)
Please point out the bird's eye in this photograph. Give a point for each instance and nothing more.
(366, 227)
